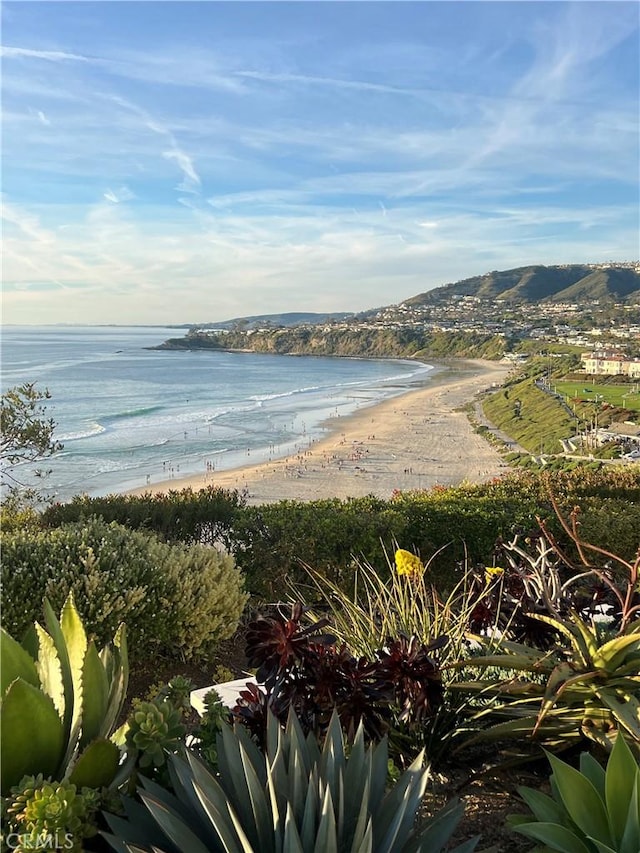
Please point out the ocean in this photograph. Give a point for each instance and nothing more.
(130, 416)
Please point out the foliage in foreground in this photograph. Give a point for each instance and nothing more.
(292, 797)
(580, 681)
(60, 702)
(271, 542)
(298, 668)
(26, 433)
(175, 599)
(590, 810)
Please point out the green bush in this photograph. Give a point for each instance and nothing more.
(172, 598)
(205, 516)
(270, 542)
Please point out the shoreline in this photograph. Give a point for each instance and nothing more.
(414, 440)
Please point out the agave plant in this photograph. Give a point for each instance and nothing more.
(585, 687)
(61, 699)
(293, 797)
(590, 810)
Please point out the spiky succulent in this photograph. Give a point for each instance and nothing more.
(294, 796)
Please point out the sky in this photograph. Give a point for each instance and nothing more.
(187, 162)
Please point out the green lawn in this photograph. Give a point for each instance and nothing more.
(625, 396)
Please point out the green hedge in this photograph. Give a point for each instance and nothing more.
(205, 516)
(174, 599)
(271, 542)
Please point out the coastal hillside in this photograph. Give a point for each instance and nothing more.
(581, 283)
(286, 320)
(358, 342)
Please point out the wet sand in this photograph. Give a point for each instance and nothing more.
(413, 441)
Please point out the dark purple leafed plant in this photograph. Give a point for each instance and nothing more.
(302, 668)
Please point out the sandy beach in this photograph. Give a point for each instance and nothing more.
(413, 441)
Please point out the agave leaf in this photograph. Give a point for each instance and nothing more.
(257, 758)
(298, 743)
(273, 734)
(76, 642)
(366, 844)
(612, 654)
(262, 822)
(556, 837)
(622, 772)
(244, 844)
(139, 829)
(292, 841)
(31, 733)
(625, 709)
(397, 811)
(233, 779)
(581, 800)
(116, 665)
(630, 841)
(190, 810)
(298, 780)
(437, 831)
(326, 841)
(187, 775)
(356, 783)
(363, 828)
(544, 808)
(310, 815)
(15, 662)
(97, 765)
(602, 848)
(392, 838)
(117, 844)
(49, 671)
(594, 772)
(332, 761)
(278, 782)
(95, 695)
(173, 826)
(378, 773)
(55, 632)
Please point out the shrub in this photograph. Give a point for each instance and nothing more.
(172, 598)
(205, 516)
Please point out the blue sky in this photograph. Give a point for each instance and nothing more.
(185, 162)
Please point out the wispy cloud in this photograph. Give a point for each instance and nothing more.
(8, 52)
(327, 166)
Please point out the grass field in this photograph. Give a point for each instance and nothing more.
(625, 396)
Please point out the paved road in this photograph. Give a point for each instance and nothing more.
(513, 446)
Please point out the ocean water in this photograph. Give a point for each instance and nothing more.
(129, 416)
